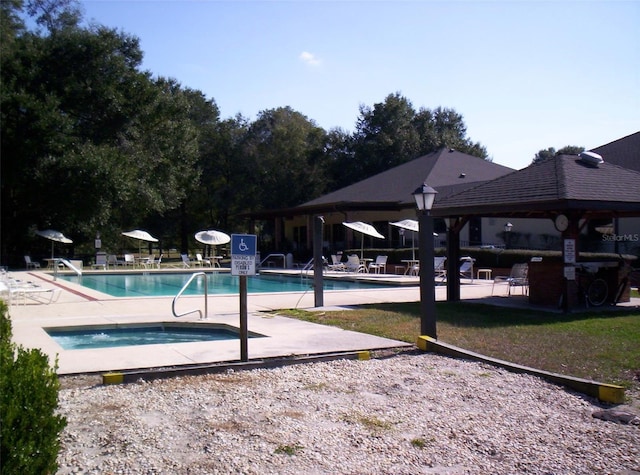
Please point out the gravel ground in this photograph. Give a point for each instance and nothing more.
(408, 414)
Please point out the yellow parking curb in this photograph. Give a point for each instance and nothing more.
(112, 378)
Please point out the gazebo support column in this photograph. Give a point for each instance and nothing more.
(453, 258)
(569, 257)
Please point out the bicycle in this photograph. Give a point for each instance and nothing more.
(593, 289)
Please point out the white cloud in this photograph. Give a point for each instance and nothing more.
(310, 58)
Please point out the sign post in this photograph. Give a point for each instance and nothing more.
(318, 263)
(243, 263)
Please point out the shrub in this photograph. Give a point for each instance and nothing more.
(30, 428)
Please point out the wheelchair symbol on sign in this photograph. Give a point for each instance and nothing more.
(242, 246)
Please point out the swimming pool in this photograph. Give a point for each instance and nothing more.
(110, 336)
(169, 284)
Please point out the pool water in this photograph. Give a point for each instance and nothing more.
(169, 284)
(128, 335)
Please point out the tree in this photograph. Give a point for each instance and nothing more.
(392, 133)
(285, 152)
(551, 152)
(224, 172)
(443, 127)
(194, 211)
(339, 152)
(55, 15)
(385, 136)
(88, 140)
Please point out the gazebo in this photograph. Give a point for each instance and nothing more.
(568, 189)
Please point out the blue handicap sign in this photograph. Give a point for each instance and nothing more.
(243, 244)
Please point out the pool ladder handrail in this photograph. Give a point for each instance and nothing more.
(206, 298)
(271, 256)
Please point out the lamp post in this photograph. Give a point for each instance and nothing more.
(507, 234)
(424, 196)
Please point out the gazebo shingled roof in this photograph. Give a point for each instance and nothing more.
(561, 184)
(447, 170)
(442, 169)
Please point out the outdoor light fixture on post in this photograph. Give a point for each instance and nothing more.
(424, 196)
(507, 233)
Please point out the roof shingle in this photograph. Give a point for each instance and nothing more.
(446, 169)
(562, 182)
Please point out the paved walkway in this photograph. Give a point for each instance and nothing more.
(79, 306)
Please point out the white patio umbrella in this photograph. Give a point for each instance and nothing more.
(411, 225)
(140, 236)
(363, 228)
(54, 236)
(212, 237)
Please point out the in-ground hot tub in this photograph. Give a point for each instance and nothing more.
(162, 333)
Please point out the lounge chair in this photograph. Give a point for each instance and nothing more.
(466, 268)
(31, 264)
(439, 268)
(202, 262)
(518, 277)
(20, 292)
(353, 264)
(336, 265)
(379, 264)
(101, 261)
(112, 260)
(186, 262)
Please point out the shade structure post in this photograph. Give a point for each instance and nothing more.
(427, 276)
(318, 262)
(453, 258)
(425, 196)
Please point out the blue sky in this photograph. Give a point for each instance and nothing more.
(526, 75)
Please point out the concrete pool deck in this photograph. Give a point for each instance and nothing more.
(79, 306)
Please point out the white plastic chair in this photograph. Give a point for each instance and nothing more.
(379, 264)
(101, 261)
(518, 277)
(202, 262)
(151, 262)
(129, 260)
(336, 265)
(31, 264)
(353, 264)
(112, 260)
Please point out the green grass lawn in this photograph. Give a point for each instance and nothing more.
(603, 346)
